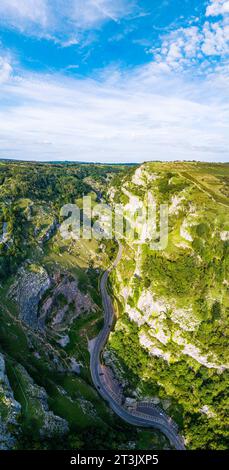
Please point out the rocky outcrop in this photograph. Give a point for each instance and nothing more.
(169, 321)
(65, 303)
(5, 236)
(49, 232)
(9, 410)
(52, 425)
(224, 236)
(31, 283)
(64, 341)
(150, 316)
(148, 343)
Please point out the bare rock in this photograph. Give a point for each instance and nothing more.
(31, 284)
(9, 411)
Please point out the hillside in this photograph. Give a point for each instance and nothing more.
(169, 343)
(50, 309)
(171, 336)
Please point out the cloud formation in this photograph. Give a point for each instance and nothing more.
(5, 69)
(91, 12)
(23, 14)
(122, 118)
(57, 19)
(197, 45)
(154, 111)
(217, 7)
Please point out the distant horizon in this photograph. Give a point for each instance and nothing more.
(81, 162)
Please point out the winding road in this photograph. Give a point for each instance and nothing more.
(144, 415)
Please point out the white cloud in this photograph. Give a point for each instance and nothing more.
(144, 115)
(196, 46)
(61, 19)
(179, 48)
(88, 13)
(217, 7)
(215, 39)
(23, 14)
(148, 113)
(5, 69)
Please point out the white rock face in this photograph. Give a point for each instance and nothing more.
(111, 193)
(142, 176)
(134, 201)
(145, 303)
(138, 177)
(59, 317)
(175, 204)
(27, 291)
(148, 344)
(75, 366)
(224, 236)
(148, 304)
(184, 231)
(133, 212)
(125, 292)
(12, 409)
(157, 330)
(191, 219)
(141, 216)
(64, 341)
(151, 312)
(5, 236)
(137, 271)
(185, 319)
(194, 352)
(182, 245)
(166, 404)
(207, 411)
(135, 315)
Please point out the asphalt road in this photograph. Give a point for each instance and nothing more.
(144, 416)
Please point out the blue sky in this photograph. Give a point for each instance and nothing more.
(114, 80)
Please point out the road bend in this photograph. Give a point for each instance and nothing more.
(142, 416)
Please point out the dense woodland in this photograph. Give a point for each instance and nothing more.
(51, 185)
